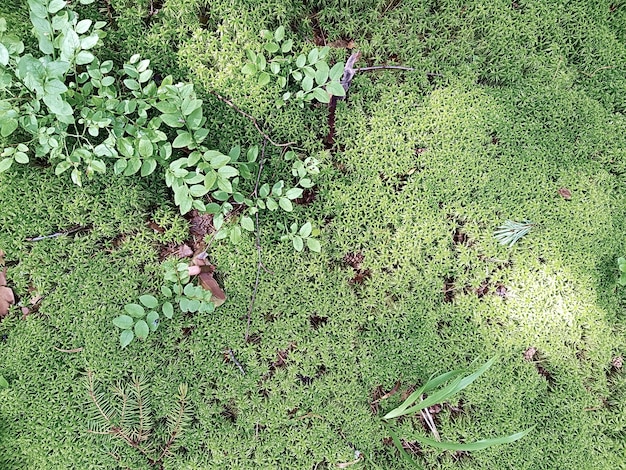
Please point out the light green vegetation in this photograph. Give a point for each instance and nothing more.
(423, 171)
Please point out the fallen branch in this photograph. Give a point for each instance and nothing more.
(57, 234)
(258, 246)
(251, 118)
(77, 350)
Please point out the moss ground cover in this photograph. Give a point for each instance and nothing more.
(523, 99)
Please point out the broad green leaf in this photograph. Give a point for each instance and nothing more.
(84, 57)
(321, 74)
(55, 5)
(89, 41)
(285, 204)
(253, 153)
(186, 204)
(336, 71)
(4, 55)
(247, 224)
(76, 177)
(227, 171)
(248, 69)
(126, 338)
(119, 166)
(194, 120)
(286, 46)
(145, 147)
(132, 84)
(235, 235)
(168, 309)
(37, 8)
(152, 319)
(335, 89)
(271, 47)
(173, 120)
(166, 107)
(279, 34)
(124, 322)
(135, 310)
(271, 204)
(298, 243)
(183, 139)
(5, 164)
(294, 193)
(313, 245)
(98, 166)
(3, 382)
(264, 190)
(62, 167)
(306, 230)
(8, 127)
(21, 157)
(134, 164)
(264, 79)
(82, 26)
(307, 83)
(219, 160)
(313, 56)
(56, 105)
(321, 95)
(149, 301)
(301, 61)
(142, 330)
(400, 447)
(69, 45)
(148, 166)
(190, 105)
(472, 446)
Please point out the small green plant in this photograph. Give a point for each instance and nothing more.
(510, 232)
(311, 72)
(126, 416)
(301, 237)
(139, 322)
(621, 264)
(3, 382)
(440, 389)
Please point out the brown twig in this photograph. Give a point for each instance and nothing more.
(251, 118)
(257, 243)
(394, 67)
(590, 75)
(233, 359)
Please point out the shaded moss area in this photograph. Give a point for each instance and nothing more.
(528, 98)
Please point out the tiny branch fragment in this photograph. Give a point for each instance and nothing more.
(233, 359)
(251, 118)
(77, 350)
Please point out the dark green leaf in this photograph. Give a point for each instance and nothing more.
(3, 382)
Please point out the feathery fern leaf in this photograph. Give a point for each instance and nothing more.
(510, 231)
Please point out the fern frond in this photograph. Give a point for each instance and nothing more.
(510, 231)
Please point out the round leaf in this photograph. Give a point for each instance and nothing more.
(306, 230)
(124, 322)
(126, 337)
(152, 319)
(135, 310)
(285, 204)
(314, 245)
(298, 243)
(141, 329)
(149, 301)
(247, 224)
(168, 310)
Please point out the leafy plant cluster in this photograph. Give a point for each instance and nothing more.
(68, 107)
(439, 390)
(178, 290)
(621, 264)
(311, 72)
(126, 416)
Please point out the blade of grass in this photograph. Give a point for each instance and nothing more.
(453, 388)
(398, 444)
(472, 446)
(431, 384)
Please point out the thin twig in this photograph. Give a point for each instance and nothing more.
(58, 234)
(77, 350)
(396, 67)
(231, 356)
(590, 75)
(257, 243)
(254, 121)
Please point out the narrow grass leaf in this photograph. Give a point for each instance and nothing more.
(472, 446)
